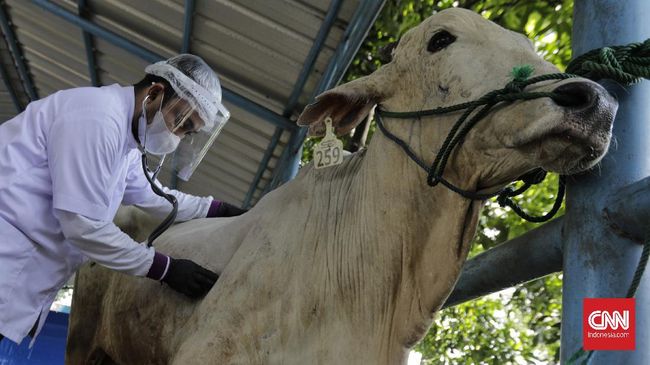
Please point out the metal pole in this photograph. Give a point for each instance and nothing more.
(308, 66)
(7, 81)
(187, 28)
(597, 261)
(527, 257)
(310, 61)
(275, 139)
(19, 59)
(360, 24)
(83, 10)
(628, 210)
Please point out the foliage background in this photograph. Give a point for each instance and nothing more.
(520, 325)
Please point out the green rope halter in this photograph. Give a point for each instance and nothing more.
(624, 64)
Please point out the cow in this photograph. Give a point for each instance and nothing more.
(348, 264)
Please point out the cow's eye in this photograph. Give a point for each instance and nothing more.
(440, 40)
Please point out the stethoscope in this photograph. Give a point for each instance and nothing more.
(151, 177)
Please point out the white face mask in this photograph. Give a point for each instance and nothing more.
(157, 139)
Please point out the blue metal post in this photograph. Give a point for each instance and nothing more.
(82, 7)
(362, 20)
(263, 165)
(530, 256)
(628, 210)
(310, 61)
(17, 53)
(147, 55)
(597, 261)
(308, 66)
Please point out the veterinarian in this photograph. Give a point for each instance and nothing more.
(67, 163)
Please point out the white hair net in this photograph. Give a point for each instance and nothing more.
(195, 82)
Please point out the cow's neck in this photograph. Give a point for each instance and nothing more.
(396, 243)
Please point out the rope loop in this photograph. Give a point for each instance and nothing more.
(626, 64)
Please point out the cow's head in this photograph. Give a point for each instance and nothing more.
(457, 56)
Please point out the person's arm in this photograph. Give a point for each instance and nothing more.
(84, 150)
(104, 243)
(138, 192)
(220, 208)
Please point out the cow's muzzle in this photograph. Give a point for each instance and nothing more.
(584, 98)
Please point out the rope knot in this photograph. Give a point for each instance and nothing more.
(514, 87)
(433, 180)
(504, 196)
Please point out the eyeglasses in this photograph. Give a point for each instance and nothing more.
(186, 119)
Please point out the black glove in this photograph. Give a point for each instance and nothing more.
(229, 210)
(189, 278)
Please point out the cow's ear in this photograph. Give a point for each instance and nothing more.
(347, 104)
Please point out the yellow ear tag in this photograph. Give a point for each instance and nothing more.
(329, 152)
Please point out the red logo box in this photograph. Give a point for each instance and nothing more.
(608, 324)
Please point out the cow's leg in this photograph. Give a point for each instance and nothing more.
(90, 284)
(100, 357)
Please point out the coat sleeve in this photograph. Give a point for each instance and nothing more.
(106, 244)
(138, 192)
(83, 151)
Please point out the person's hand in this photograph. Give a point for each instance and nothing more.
(189, 278)
(222, 209)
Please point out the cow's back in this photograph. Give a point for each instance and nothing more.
(137, 320)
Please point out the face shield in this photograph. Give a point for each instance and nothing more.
(196, 115)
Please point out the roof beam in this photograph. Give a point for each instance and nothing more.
(84, 11)
(119, 41)
(187, 25)
(310, 61)
(356, 32)
(5, 78)
(308, 67)
(18, 57)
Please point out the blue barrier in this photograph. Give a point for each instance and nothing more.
(49, 348)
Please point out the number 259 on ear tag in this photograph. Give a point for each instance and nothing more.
(329, 152)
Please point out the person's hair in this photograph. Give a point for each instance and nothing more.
(150, 79)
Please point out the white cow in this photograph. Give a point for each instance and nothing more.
(348, 264)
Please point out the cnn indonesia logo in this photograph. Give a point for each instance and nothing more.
(608, 324)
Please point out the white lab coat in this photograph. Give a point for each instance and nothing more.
(66, 164)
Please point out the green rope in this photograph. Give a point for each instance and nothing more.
(626, 64)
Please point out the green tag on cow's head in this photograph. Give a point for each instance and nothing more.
(522, 72)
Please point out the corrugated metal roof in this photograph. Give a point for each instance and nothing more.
(258, 47)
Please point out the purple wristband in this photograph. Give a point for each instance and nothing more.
(214, 208)
(159, 266)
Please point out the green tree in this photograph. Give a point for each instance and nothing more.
(521, 326)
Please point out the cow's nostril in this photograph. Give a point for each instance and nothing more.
(575, 95)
